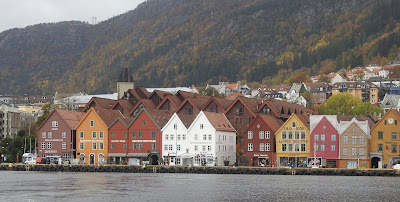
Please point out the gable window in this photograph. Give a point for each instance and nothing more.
(153, 134)
(91, 123)
(81, 135)
(239, 111)
(175, 126)
(250, 147)
(101, 134)
(143, 122)
(112, 135)
(184, 137)
(261, 134)
(283, 135)
(353, 139)
(64, 134)
(125, 135)
(361, 139)
(134, 136)
(333, 137)
(346, 139)
(54, 123)
(316, 137)
(50, 134)
(266, 134)
(94, 135)
(166, 137)
(43, 134)
(294, 124)
(322, 137)
(290, 134)
(201, 126)
(296, 135)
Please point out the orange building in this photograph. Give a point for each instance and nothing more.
(92, 135)
(367, 92)
(384, 143)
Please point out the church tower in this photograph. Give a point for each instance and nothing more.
(125, 82)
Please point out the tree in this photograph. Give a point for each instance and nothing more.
(347, 104)
(300, 78)
(46, 112)
(323, 78)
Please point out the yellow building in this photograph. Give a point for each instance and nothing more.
(92, 135)
(293, 141)
(384, 143)
(366, 91)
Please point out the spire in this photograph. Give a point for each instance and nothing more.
(125, 75)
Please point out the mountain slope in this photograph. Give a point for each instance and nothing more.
(184, 42)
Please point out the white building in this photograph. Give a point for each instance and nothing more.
(209, 140)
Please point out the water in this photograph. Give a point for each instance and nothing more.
(65, 186)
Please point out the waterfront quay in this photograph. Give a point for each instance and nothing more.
(201, 170)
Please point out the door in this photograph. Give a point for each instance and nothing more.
(91, 159)
(374, 162)
(154, 160)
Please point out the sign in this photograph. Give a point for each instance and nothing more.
(50, 151)
(266, 155)
(294, 141)
(53, 140)
(91, 140)
(290, 128)
(54, 129)
(200, 143)
(143, 140)
(117, 140)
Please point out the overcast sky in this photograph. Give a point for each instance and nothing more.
(21, 13)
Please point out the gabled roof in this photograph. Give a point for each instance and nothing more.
(160, 94)
(159, 117)
(185, 94)
(102, 103)
(147, 104)
(250, 104)
(197, 103)
(71, 118)
(233, 96)
(272, 122)
(142, 92)
(173, 99)
(108, 116)
(218, 121)
(302, 117)
(220, 102)
(125, 121)
(370, 120)
(284, 108)
(132, 93)
(395, 112)
(128, 106)
(316, 119)
(186, 119)
(390, 100)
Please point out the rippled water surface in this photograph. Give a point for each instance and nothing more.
(64, 186)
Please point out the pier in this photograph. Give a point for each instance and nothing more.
(200, 170)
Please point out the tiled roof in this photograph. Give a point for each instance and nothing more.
(273, 123)
(233, 96)
(286, 107)
(108, 116)
(186, 119)
(104, 103)
(72, 118)
(219, 121)
(142, 91)
(305, 119)
(390, 100)
(371, 121)
(223, 102)
(159, 117)
(126, 104)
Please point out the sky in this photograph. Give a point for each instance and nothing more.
(22, 13)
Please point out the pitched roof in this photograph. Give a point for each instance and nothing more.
(160, 94)
(272, 122)
(186, 119)
(71, 118)
(173, 99)
(233, 96)
(159, 117)
(142, 91)
(102, 103)
(108, 116)
(371, 120)
(390, 100)
(284, 108)
(126, 104)
(219, 121)
(250, 104)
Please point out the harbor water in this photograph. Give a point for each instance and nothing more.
(69, 186)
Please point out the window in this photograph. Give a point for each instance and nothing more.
(140, 146)
(54, 124)
(196, 137)
(196, 148)
(94, 135)
(394, 148)
(112, 135)
(64, 145)
(81, 146)
(165, 147)
(101, 146)
(112, 146)
(267, 135)
(50, 134)
(333, 137)
(346, 139)
(261, 134)
(204, 147)
(361, 151)
(153, 134)
(283, 147)
(166, 137)
(175, 126)
(322, 147)
(303, 135)
(290, 135)
(353, 139)
(303, 147)
(262, 145)
(316, 146)
(177, 161)
(322, 137)
(140, 134)
(208, 147)
(290, 147)
(316, 137)
(43, 145)
(143, 122)
(49, 145)
(344, 151)
(296, 135)
(380, 147)
(353, 151)
(250, 147)
(134, 146)
(125, 135)
(101, 134)
(153, 146)
(170, 147)
(91, 123)
(64, 134)
(294, 124)
(184, 137)
(43, 134)
(394, 135)
(178, 147)
(283, 135)
(201, 126)
(94, 146)
(333, 147)
(250, 135)
(209, 137)
(267, 147)
(361, 139)
(204, 137)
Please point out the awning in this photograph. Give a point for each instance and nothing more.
(138, 154)
(186, 156)
(116, 155)
(207, 157)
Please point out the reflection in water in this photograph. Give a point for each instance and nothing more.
(40, 186)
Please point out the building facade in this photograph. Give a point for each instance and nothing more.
(367, 92)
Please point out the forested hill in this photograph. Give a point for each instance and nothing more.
(185, 42)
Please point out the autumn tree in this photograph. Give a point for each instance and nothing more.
(300, 78)
(347, 104)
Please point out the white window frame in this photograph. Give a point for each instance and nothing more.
(64, 134)
(43, 145)
(267, 147)
(267, 135)
(91, 123)
(262, 146)
(54, 124)
(44, 134)
(50, 134)
(250, 135)
(261, 134)
(64, 145)
(250, 147)
(81, 146)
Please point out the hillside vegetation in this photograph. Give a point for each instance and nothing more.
(184, 42)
